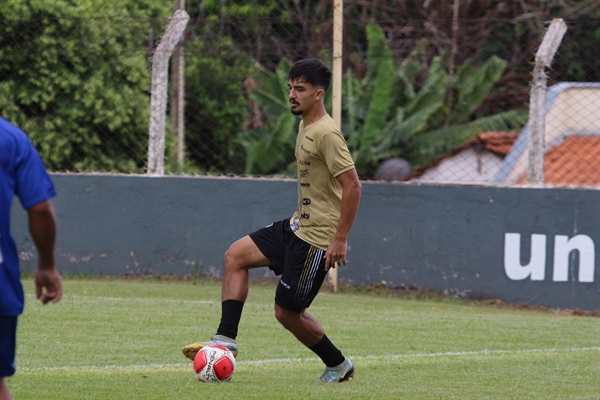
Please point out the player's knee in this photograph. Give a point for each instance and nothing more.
(226, 259)
(243, 255)
(279, 315)
(231, 258)
(285, 317)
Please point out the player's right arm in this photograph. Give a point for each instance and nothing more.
(42, 227)
(336, 251)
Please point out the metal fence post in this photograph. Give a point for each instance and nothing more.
(158, 100)
(178, 91)
(537, 103)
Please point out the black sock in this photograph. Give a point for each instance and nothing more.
(327, 351)
(231, 313)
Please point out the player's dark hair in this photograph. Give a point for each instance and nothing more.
(311, 70)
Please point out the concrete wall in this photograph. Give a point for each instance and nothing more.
(522, 245)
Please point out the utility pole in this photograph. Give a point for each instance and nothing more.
(452, 67)
(338, 37)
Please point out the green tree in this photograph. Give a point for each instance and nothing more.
(77, 83)
(216, 105)
(266, 30)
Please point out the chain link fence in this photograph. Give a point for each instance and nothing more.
(433, 91)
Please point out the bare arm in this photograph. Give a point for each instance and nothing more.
(42, 227)
(336, 252)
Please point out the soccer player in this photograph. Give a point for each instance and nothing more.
(22, 173)
(302, 248)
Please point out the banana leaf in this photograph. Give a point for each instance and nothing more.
(382, 77)
(473, 85)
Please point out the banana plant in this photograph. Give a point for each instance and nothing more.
(419, 125)
(270, 149)
(388, 113)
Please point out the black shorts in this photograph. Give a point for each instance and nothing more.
(8, 345)
(301, 265)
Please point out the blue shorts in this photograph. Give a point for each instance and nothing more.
(8, 345)
(301, 265)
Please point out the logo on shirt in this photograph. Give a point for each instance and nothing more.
(305, 216)
(303, 173)
(306, 202)
(303, 184)
(307, 163)
(304, 150)
(309, 138)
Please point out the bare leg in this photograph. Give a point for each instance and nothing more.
(239, 258)
(304, 327)
(310, 333)
(4, 394)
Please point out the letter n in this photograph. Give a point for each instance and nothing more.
(512, 257)
(563, 246)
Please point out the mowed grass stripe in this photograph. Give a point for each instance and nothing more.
(145, 300)
(313, 359)
(92, 299)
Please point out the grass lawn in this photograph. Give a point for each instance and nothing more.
(121, 339)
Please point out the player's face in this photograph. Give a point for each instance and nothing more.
(303, 96)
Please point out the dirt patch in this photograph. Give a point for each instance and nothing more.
(461, 297)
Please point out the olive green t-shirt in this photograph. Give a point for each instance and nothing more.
(321, 156)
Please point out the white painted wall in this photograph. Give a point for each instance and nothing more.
(467, 167)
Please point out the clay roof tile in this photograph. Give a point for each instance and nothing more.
(574, 162)
(498, 142)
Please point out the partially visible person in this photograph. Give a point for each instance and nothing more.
(22, 174)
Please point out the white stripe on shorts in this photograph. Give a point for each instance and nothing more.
(311, 266)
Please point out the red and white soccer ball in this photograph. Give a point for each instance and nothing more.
(214, 363)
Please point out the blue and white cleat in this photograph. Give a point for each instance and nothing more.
(191, 350)
(341, 373)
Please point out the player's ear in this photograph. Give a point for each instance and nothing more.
(319, 93)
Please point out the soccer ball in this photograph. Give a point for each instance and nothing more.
(214, 363)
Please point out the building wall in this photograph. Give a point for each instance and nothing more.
(468, 166)
(480, 242)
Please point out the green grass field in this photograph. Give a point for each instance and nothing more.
(121, 339)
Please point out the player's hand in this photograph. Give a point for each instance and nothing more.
(336, 253)
(48, 286)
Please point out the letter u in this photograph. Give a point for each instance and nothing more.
(512, 257)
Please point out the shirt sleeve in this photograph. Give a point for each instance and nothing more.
(336, 154)
(33, 183)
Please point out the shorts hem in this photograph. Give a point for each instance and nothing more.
(4, 374)
(288, 308)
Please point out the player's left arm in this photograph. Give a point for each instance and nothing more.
(42, 227)
(352, 188)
